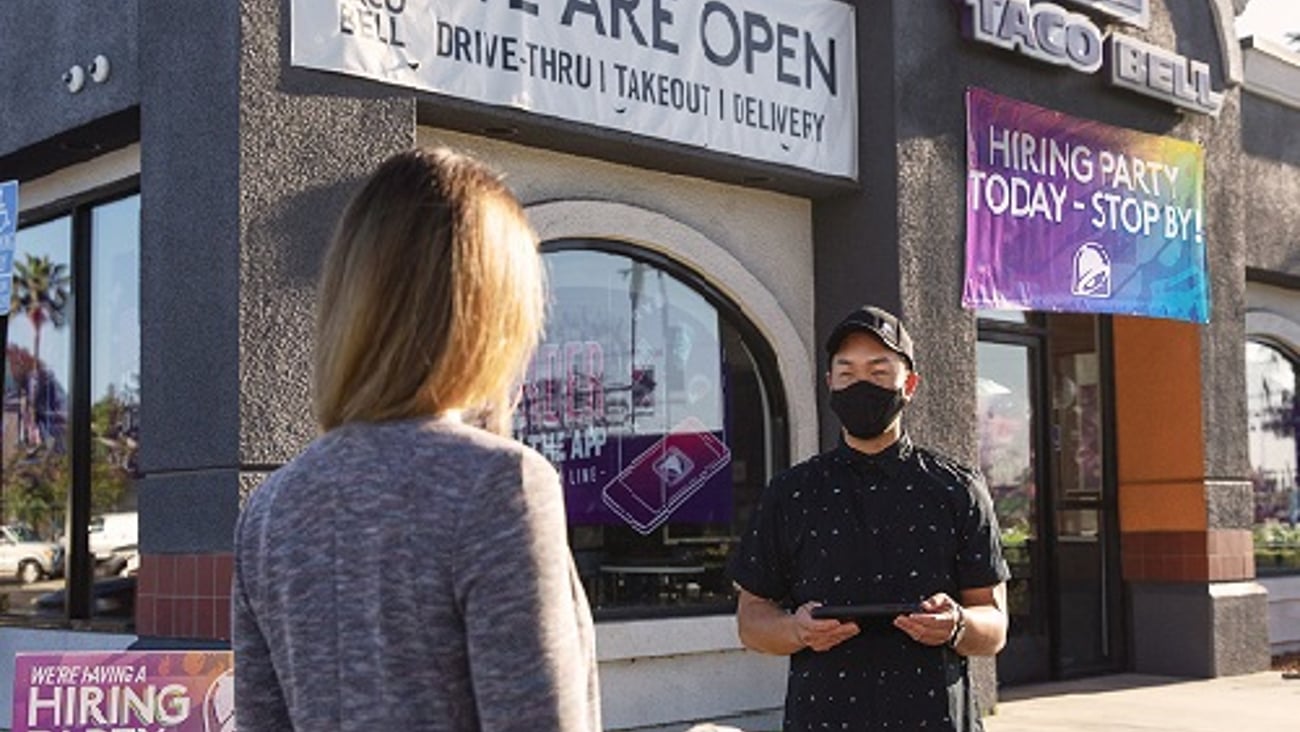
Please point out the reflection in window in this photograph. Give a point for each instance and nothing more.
(40, 382)
(649, 403)
(1005, 417)
(115, 355)
(1274, 416)
(37, 378)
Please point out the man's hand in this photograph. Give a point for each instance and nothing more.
(768, 628)
(821, 635)
(982, 609)
(936, 622)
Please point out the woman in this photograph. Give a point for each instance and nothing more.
(409, 571)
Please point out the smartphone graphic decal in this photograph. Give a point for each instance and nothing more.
(658, 481)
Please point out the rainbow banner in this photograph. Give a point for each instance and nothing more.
(1069, 215)
(177, 691)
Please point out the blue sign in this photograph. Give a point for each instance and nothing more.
(8, 228)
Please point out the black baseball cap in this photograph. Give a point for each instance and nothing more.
(880, 323)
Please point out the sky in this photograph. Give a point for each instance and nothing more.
(1271, 19)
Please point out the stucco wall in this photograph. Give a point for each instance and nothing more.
(41, 41)
(1270, 169)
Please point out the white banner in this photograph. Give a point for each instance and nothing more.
(770, 80)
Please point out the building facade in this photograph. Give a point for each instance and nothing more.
(184, 165)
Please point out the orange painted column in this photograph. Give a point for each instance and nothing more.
(1160, 446)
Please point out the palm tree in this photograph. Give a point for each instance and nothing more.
(41, 291)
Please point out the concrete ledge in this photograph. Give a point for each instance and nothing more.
(1199, 629)
(682, 670)
(622, 640)
(646, 692)
(1283, 613)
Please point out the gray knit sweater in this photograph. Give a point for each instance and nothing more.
(410, 576)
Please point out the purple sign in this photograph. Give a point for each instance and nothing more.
(1070, 215)
(115, 691)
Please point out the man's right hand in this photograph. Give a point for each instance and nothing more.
(769, 628)
(821, 635)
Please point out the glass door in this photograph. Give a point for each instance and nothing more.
(1007, 392)
(1044, 451)
(1084, 560)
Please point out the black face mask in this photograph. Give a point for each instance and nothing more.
(865, 409)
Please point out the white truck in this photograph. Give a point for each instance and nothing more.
(113, 533)
(26, 557)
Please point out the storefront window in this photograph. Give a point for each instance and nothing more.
(648, 398)
(1274, 419)
(44, 374)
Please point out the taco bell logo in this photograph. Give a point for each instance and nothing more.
(673, 467)
(1091, 271)
(219, 704)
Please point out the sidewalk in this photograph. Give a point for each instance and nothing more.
(1261, 702)
(1133, 702)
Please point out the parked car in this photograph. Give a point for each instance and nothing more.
(24, 555)
(124, 562)
(113, 597)
(111, 532)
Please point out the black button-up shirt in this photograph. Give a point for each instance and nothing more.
(848, 528)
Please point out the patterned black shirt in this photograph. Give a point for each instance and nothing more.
(849, 528)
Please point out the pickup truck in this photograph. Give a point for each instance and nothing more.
(26, 557)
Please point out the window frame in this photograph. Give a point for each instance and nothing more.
(767, 369)
(79, 565)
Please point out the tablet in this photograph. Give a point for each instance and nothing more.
(857, 612)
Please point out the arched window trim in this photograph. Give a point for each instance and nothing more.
(1273, 329)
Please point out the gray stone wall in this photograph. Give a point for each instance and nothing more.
(189, 230)
(246, 164)
(307, 139)
(1271, 185)
(41, 41)
(855, 233)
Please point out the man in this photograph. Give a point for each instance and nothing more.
(876, 520)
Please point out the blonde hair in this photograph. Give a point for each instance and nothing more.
(432, 296)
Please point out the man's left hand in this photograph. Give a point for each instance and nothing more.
(935, 624)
